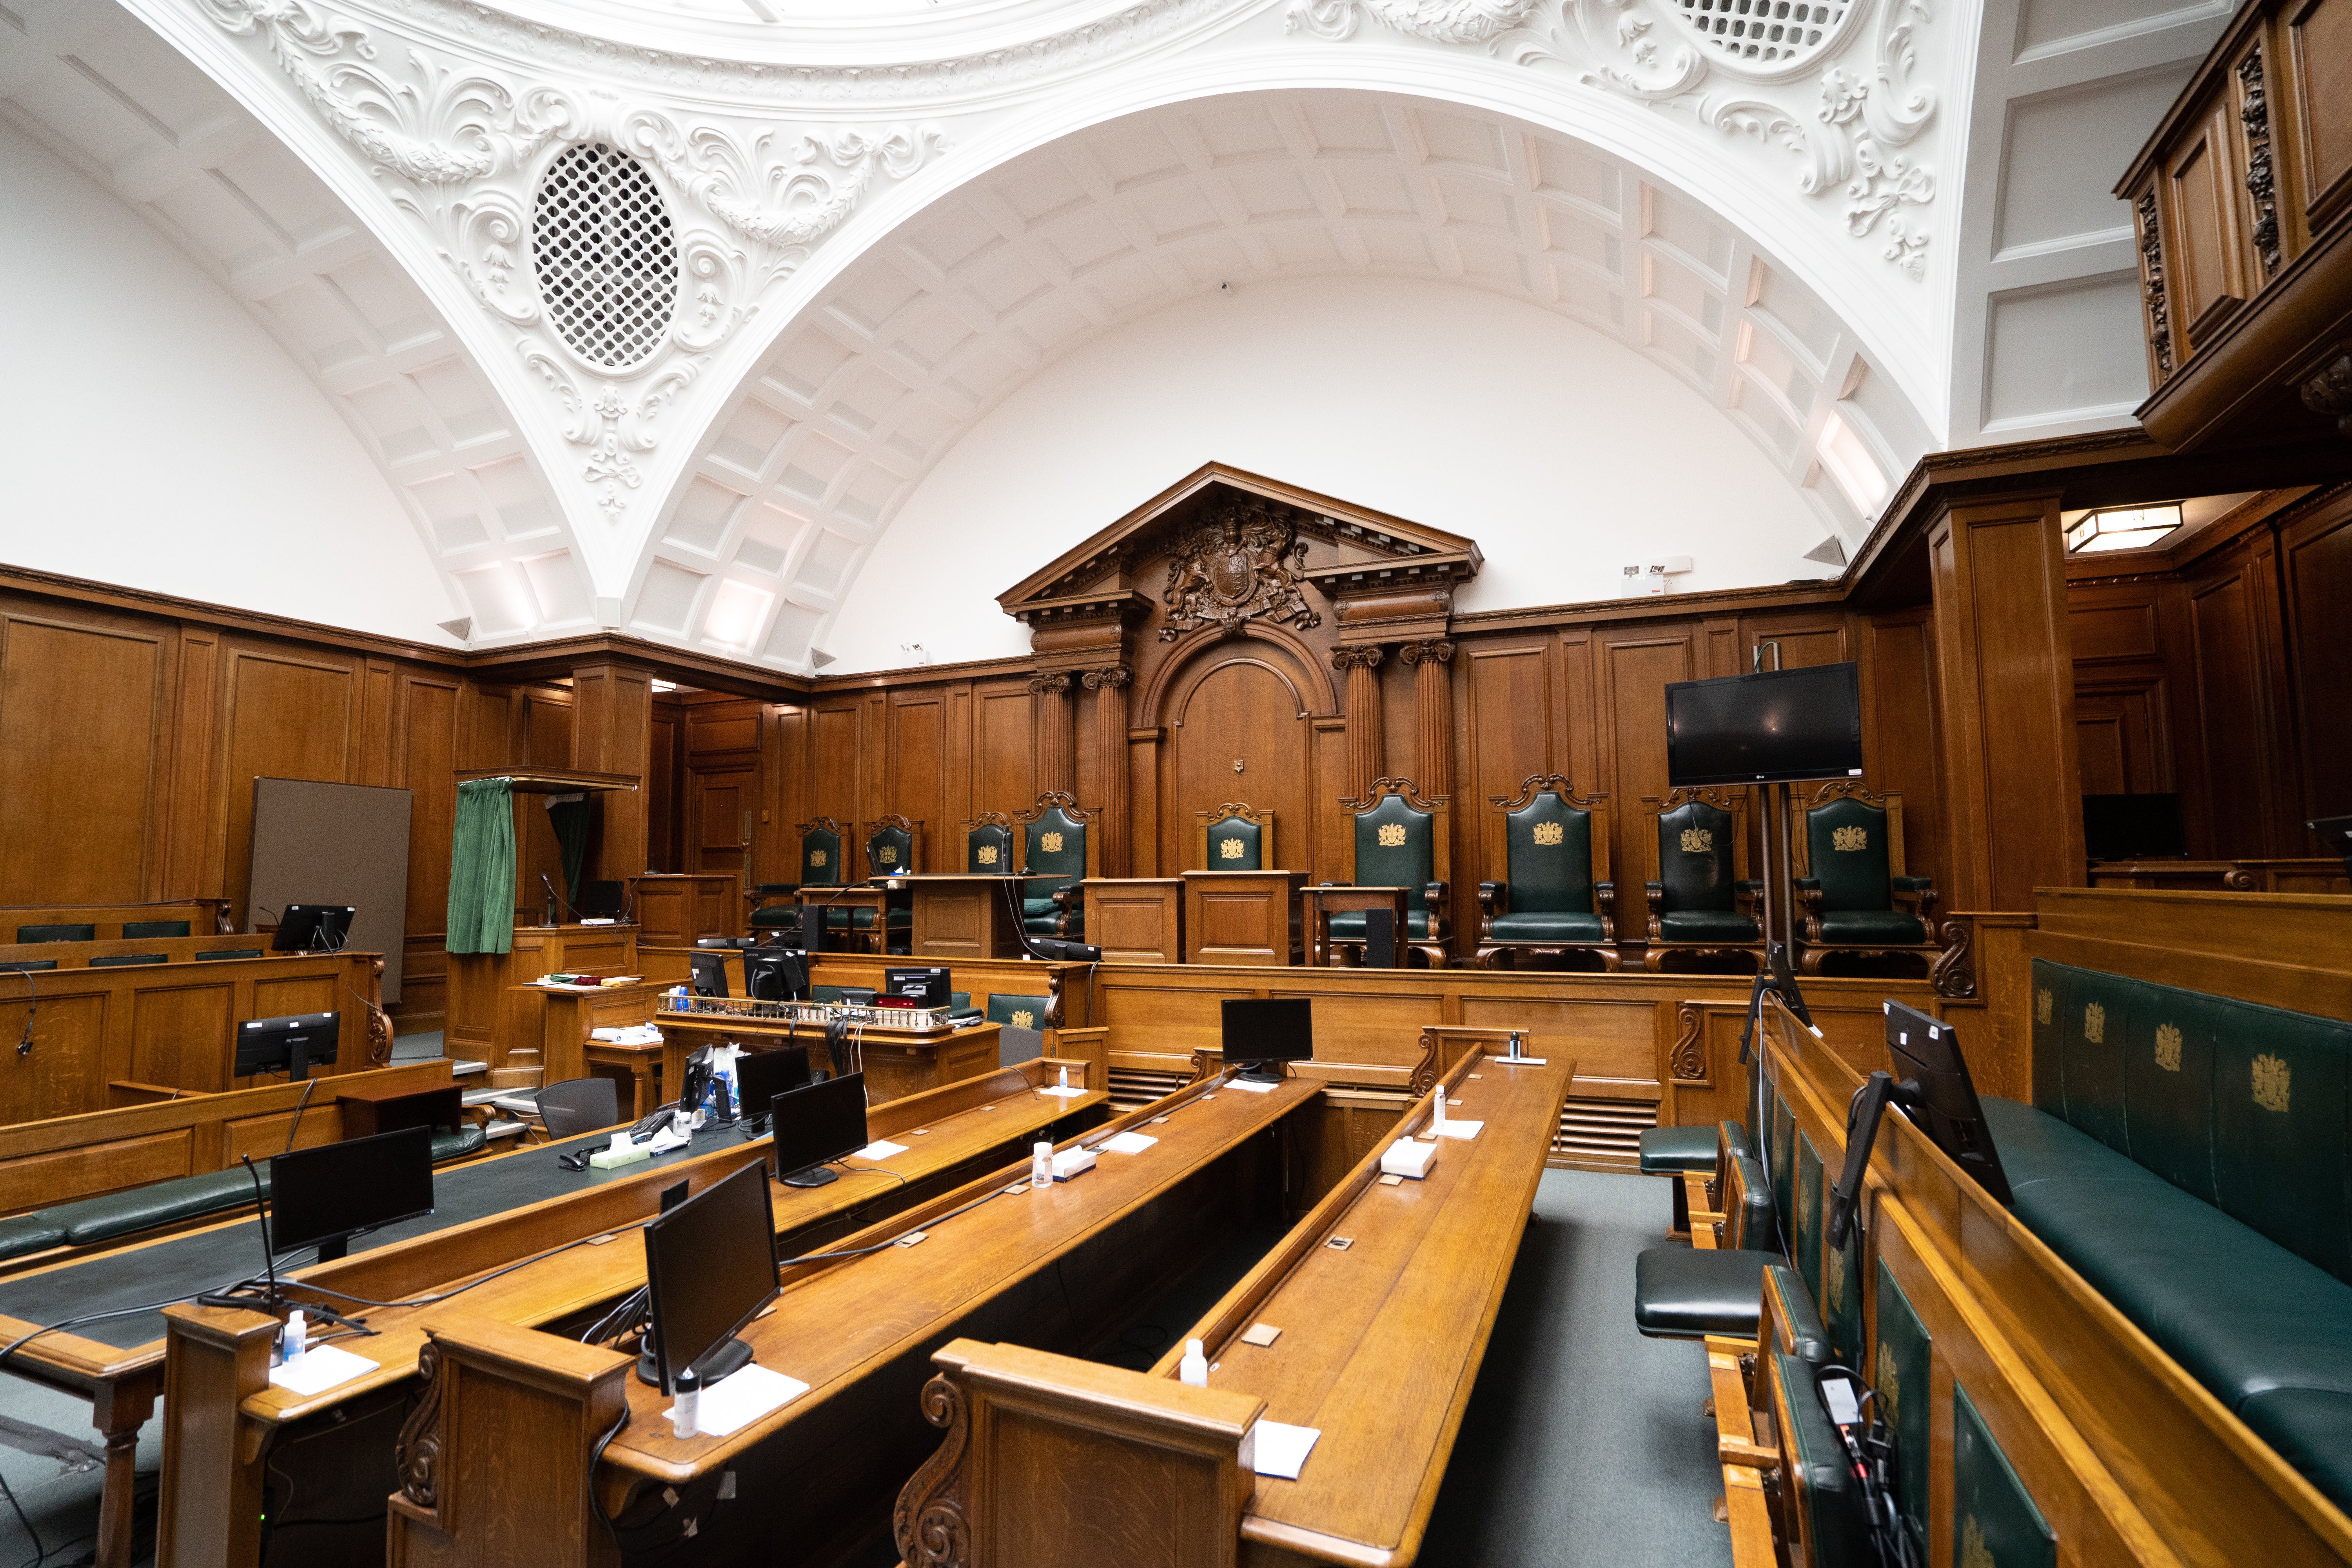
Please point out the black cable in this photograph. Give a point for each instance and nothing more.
(32, 1010)
(596, 1458)
(867, 1170)
(299, 1105)
(494, 1274)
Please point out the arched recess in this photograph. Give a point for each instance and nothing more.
(1249, 699)
(943, 317)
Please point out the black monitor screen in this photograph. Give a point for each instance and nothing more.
(2133, 826)
(1269, 1030)
(775, 974)
(598, 901)
(336, 1189)
(929, 987)
(312, 928)
(291, 1044)
(1927, 1051)
(1780, 725)
(709, 972)
(710, 1263)
(2335, 832)
(821, 1122)
(761, 1075)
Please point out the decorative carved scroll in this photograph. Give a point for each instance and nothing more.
(929, 1522)
(1246, 561)
(379, 1028)
(1688, 1059)
(1425, 1071)
(2243, 880)
(2151, 261)
(2254, 115)
(1113, 676)
(1055, 685)
(1200, 1067)
(417, 1455)
(1953, 976)
(1356, 656)
(1417, 653)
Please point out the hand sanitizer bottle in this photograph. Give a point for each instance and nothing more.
(1065, 1080)
(687, 1411)
(295, 1340)
(1437, 1112)
(1041, 1165)
(1194, 1368)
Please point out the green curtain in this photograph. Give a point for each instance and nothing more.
(482, 869)
(568, 814)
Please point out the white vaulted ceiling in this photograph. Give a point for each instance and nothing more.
(930, 328)
(131, 113)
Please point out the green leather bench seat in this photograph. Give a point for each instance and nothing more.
(1836, 1530)
(1348, 925)
(1706, 925)
(1547, 925)
(1891, 926)
(2267, 1333)
(468, 1140)
(1670, 1149)
(92, 1220)
(29, 1233)
(1688, 1293)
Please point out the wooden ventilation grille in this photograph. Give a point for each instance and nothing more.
(1131, 1087)
(606, 255)
(1603, 1134)
(1764, 33)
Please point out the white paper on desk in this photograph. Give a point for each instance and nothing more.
(882, 1148)
(1280, 1450)
(1128, 1143)
(1456, 1128)
(735, 1402)
(319, 1370)
(1058, 1090)
(1253, 1087)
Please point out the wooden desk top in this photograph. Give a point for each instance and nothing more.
(881, 1306)
(1381, 1343)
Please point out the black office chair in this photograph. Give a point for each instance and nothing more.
(220, 952)
(115, 960)
(57, 933)
(579, 1105)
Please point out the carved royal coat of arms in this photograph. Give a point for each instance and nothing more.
(1246, 561)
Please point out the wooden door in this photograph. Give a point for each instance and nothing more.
(720, 806)
(1246, 707)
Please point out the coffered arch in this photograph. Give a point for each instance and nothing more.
(941, 319)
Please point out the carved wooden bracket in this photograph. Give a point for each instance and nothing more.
(1688, 1059)
(931, 1523)
(1953, 976)
(417, 1458)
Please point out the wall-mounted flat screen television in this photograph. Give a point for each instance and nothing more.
(1779, 726)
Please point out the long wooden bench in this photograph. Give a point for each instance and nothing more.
(201, 916)
(41, 957)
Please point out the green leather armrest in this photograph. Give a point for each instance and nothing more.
(1749, 886)
(1493, 897)
(1806, 884)
(1911, 884)
(1655, 889)
(772, 889)
(466, 1140)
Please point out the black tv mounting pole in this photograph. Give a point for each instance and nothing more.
(1776, 976)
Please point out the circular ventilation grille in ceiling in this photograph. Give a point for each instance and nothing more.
(607, 258)
(1766, 34)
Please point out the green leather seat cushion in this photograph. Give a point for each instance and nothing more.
(1547, 925)
(1872, 926)
(1706, 925)
(1687, 1293)
(29, 1233)
(468, 1140)
(88, 1220)
(775, 915)
(2244, 1316)
(1046, 925)
(1037, 906)
(862, 918)
(1667, 1149)
(1348, 924)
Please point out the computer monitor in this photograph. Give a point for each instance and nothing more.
(814, 1125)
(2337, 833)
(711, 1267)
(708, 971)
(288, 1044)
(2133, 827)
(929, 987)
(761, 1075)
(1262, 1032)
(1772, 727)
(776, 975)
(312, 928)
(600, 901)
(326, 1195)
(1935, 1093)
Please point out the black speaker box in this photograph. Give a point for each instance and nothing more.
(1379, 939)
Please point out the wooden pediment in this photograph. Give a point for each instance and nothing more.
(1222, 547)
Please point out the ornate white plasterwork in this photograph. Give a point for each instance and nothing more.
(460, 149)
(1854, 137)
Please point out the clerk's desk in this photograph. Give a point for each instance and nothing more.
(811, 1482)
(1379, 1347)
(963, 914)
(222, 1421)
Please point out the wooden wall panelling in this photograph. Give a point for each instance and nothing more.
(429, 706)
(1508, 727)
(663, 754)
(1004, 749)
(191, 868)
(84, 701)
(2237, 732)
(835, 738)
(287, 712)
(546, 715)
(919, 773)
(612, 732)
(2315, 564)
(1327, 849)
(1144, 749)
(1633, 667)
(1249, 701)
(2207, 274)
(1899, 738)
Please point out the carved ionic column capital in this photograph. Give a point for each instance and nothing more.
(1115, 677)
(1055, 685)
(1356, 656)
(1435, 651)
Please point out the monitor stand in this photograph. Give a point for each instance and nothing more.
(336, 1250)
(723, 1360)
(813, 1176)
(1260, 1072)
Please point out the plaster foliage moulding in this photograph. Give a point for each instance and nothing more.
(474, 153)
(1838, 84)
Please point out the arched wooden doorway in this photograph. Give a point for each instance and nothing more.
(1245, 700)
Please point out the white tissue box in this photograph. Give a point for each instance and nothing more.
(1405, 1157)
(1070, 1162)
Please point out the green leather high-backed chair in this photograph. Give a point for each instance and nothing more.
(1055, 841)
(893, 845)
(1700, 900)
(1401, 840)
(1850, 883)
(1556, 896)
(988, 844)
(820, 867)
(1237, 837)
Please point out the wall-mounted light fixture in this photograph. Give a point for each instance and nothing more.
(2122, 528)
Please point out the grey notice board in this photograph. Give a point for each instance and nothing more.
(334, 843)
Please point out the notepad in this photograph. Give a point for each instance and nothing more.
(1128, 1144)
(319, 1370)
(1279, 1450)
(881, 1149)
(1245, 1083)
(734, 1403)
(1456, 1128)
